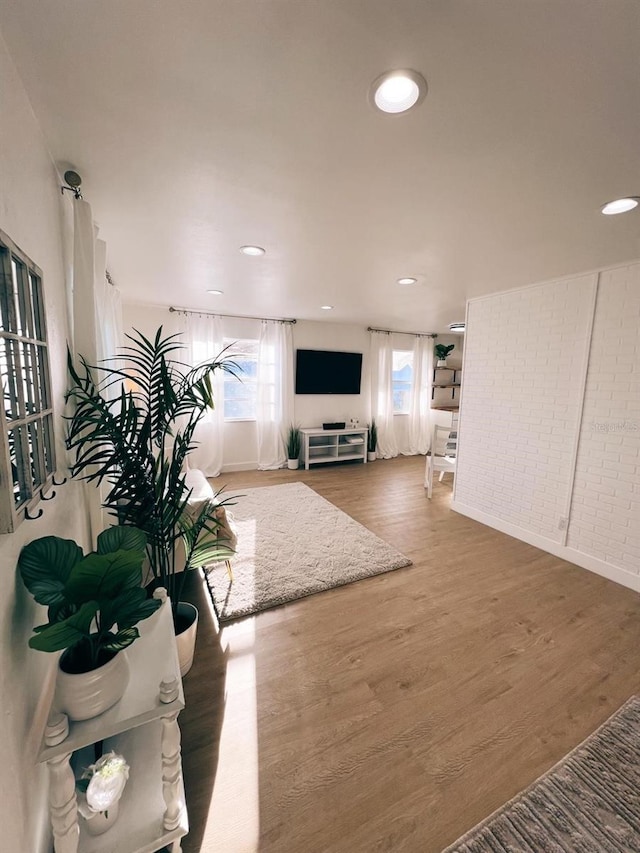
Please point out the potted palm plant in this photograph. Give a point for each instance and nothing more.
(138, 444)
(441, 351)
(372, 440)
(294, 444)
(94, 603)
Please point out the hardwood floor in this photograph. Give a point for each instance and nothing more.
(394, 713)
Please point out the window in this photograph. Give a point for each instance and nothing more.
(240, 397)
(402, 376)
(27, 452)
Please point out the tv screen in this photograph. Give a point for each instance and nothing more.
(326, 372)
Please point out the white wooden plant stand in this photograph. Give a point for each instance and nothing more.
(143, 727)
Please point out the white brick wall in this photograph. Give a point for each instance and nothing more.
(605, 511)
(525, 356)
(550, 423)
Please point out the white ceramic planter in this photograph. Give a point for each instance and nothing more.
(371, 456)
(293, 464)
(186, 639)
(87, 694)
(442, 362)
(102, 821)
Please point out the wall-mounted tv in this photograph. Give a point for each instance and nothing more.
(327, 372)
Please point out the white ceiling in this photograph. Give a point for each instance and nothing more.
(202, 125)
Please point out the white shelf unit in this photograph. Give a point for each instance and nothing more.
(333, 445)
(143, 727)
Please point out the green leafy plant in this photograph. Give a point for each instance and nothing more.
(138, 444)
(441, 351)
(293, 442)
(372, 440)
(95, 601)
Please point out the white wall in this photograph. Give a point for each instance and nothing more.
(240, 441)
(534, 462)
(605, 511)
(310, 410)
(30, 213)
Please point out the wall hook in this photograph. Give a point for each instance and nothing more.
(44, 497)
(53, 480)
(33, 517)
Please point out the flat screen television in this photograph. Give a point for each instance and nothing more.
(328, 372)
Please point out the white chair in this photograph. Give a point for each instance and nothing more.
(442, 456)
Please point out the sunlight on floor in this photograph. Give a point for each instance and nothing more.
(234, 812)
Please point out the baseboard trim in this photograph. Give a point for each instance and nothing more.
(585, 561)
(239, 466)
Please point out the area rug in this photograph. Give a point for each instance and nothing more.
(293, 543)
(588, 803)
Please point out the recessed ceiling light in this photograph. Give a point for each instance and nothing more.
(216, 292)
(408, 280)
(620, 205)
(457, 327)
(327, 307)
(398, 91)
(254, 251)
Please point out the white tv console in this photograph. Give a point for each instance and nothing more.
(333, 445)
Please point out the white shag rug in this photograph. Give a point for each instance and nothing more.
(293, 543)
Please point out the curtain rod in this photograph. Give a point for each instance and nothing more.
(414, 334)
(233, 316)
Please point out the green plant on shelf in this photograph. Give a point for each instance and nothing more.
(441, 351)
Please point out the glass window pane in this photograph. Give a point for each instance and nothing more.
(402, 376)
(37, 308)
(240, 393)
(27, 367)
(13, 438)
(25, 318)
(6, 289)
(9, 389)
(244, 409)
(49, 456)
(13, 308)
(19, 442)
(43, 373)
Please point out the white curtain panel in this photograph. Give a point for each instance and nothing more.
(382, 393)
(420, 406)
(84, 336)
(274, 393)
(109, 331)
(204, 339)
(97, 320)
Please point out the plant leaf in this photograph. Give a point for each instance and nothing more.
(69, 632)
(121, 538)
(123, 638)
(127, 609)
(45, 565)
(104, 576)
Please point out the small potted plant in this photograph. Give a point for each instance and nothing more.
(100, 788)
(294, 444)
(95, 602)
(372, 441)
(441, 351)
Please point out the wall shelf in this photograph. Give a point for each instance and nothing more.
(446, 378)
